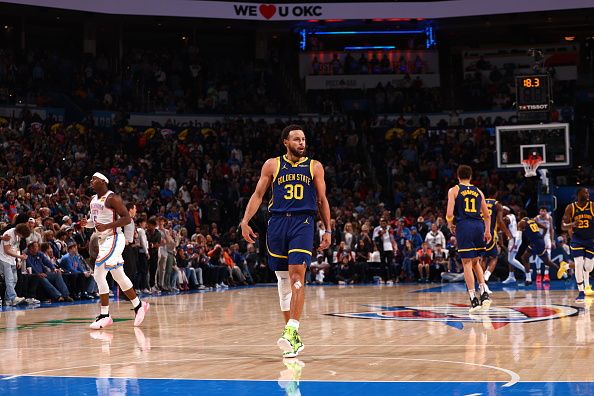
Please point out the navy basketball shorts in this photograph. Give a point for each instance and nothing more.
(470, 238)
(581, 247)
(538, 248)
(289, 240)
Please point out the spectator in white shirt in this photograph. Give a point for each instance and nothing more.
(435, 237)
(9, 253)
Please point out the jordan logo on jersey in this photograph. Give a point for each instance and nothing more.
(306, 221)
(284, 166)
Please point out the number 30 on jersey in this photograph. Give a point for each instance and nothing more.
(294, 191)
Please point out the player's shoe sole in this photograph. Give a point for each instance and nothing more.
(580, 298)
(293, 353)
(285, 346)
(486, 305)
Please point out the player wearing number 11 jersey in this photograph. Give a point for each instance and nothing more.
(298, 191)
(466, 203)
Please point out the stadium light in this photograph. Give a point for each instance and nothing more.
(365, 32)
(370, 47)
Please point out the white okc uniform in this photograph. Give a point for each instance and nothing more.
(513, 245)
(112, 241)
(546, 233)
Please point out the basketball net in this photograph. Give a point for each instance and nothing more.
(531, 165)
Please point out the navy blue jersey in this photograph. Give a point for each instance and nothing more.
(293, 189)
(584, 219)
(468, 203)
(532, 232)
(492, 206)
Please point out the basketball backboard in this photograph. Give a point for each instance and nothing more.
(516, 143)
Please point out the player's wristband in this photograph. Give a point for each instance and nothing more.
(328, 232)
(449, 218)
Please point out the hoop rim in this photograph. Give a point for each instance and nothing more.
(531, 164)
(533, 161)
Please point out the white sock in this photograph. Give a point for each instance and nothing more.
(487, 275)
(472, 293)
(512, 275)
(529, 276)
(482, 288)
(546, 270)
(105, 310)
(135, 302)
(293, 323)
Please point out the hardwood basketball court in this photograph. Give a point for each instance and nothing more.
(372, 339)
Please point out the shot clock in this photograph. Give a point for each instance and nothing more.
(533, 93)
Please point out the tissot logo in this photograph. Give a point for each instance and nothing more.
(456, 315)
(268, 11)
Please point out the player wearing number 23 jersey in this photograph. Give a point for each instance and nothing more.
(580, 215)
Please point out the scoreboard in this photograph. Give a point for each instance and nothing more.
(533, 93)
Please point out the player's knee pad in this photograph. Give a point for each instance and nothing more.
(284, 289)
(121, 278)
(100, 275)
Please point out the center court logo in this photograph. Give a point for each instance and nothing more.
(456, 315)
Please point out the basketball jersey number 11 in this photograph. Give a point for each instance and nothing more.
(470, 204)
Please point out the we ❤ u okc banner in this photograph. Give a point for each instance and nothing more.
(287, 12)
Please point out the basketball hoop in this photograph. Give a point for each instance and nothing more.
(531, 164)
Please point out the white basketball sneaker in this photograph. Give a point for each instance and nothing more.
(101, 322)
(140, 312)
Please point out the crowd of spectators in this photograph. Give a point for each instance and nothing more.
(375, 64)
(188, 81)
(188, 185)
(487, 86)
(172, 80)
(408, 96)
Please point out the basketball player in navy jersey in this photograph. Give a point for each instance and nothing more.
(472, 227)
(578, 220)
(298, 190)
(496, 212)
(536, 246)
